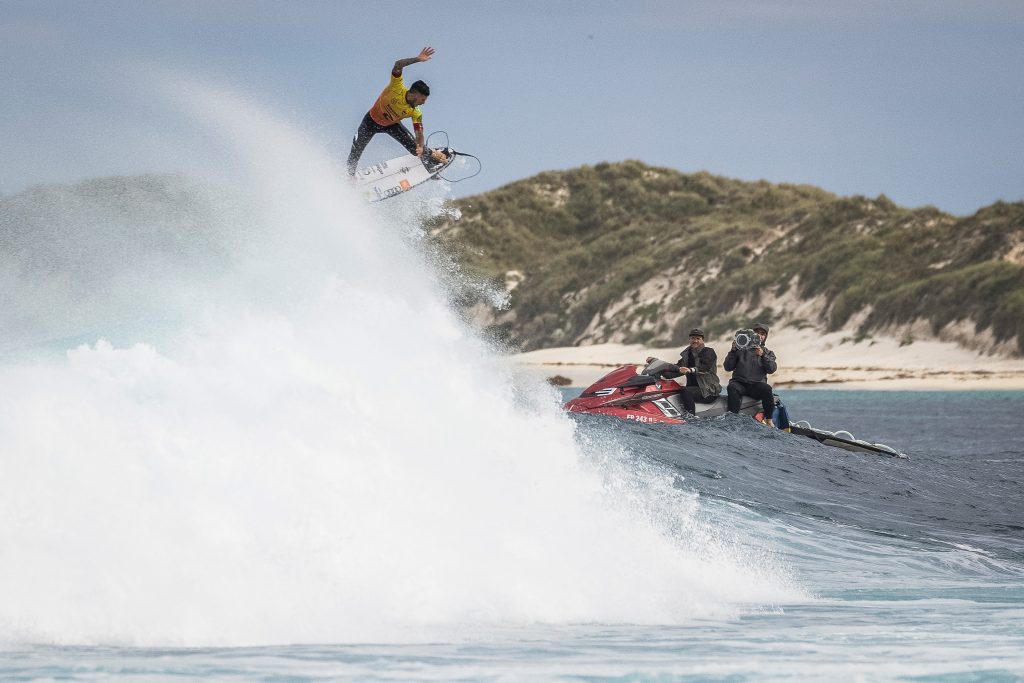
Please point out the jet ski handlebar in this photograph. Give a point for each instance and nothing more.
(655, 367)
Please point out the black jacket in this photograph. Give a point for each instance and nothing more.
(745, 365)
(706, 363)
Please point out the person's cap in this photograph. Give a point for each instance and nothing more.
(760, 326)
(697, 332)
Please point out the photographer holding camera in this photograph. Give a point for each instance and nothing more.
(751, 363)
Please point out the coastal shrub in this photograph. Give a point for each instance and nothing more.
(594, 234)
(642, 336)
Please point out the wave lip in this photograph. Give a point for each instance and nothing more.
(312, 447)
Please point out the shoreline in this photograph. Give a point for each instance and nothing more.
(808, 360)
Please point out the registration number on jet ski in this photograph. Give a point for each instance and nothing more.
(641, 418)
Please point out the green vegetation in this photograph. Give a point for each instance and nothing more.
(630, 252)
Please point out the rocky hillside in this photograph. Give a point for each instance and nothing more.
(630, 253)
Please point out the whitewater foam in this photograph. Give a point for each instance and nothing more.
(319, 450)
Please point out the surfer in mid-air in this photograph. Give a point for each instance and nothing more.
(394, 104)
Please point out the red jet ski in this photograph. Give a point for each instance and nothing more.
(641, 393)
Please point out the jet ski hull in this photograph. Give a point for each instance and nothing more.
(638, 394)
(643, 394)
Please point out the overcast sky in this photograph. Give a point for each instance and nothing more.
(922, 101)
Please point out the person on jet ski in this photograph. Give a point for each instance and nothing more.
(750, 368)
(699, 363)
(394, 104)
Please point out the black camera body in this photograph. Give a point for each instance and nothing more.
(747, 339)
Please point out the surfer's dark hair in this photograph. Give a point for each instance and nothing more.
(421, 87)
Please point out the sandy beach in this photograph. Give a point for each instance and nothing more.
(809, 359)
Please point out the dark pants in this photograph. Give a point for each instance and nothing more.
(738, 388)
(691, 396)
(367, 129)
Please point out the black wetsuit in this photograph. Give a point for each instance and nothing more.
(367, 129)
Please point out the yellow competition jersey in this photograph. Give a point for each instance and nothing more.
(391, 107)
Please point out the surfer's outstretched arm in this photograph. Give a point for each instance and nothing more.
(425, 54)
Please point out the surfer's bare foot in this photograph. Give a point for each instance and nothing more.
(438, 156)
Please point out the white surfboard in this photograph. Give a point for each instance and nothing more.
(391, 178)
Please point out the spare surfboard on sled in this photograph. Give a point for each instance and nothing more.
(392, 178)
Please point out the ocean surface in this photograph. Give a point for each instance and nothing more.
(247, 434)
(907, 569)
